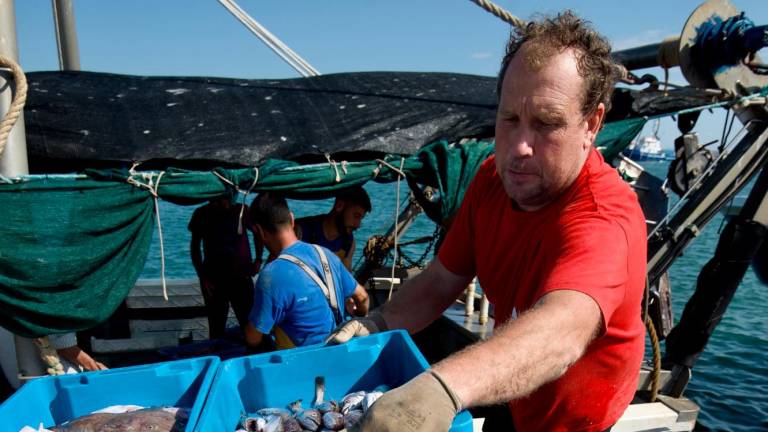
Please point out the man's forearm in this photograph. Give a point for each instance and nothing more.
(523, 354)
(422, 299)
(364, 306)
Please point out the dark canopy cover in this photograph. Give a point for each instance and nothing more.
(78, 120)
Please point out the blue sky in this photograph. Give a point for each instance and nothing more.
(200, 38)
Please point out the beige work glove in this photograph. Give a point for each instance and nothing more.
(423, 404)
(363, 326)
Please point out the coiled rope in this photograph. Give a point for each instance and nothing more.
(656, 372)
(49, 356)
(500, 13)
(656, 358)
(17, 102)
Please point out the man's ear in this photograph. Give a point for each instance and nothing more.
(594, 122)
(293, 220)
(338, 206)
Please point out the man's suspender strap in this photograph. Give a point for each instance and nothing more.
(329, 288)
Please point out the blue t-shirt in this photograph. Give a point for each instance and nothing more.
(287, 298)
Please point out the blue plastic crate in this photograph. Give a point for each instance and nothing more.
(247, 384)
(54, 400)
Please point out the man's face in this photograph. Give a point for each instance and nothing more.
(349, 217)
(542, 138)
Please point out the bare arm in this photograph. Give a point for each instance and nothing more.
(525, 353)
(422, 299)
(253, 337)
(360, 302)
(77, 356)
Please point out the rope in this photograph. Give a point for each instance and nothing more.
(399, 172)
(240, 191)
(160, 236)
(334, 165)
(50, 356)
(397, 217)
(656, 373)
(245, 198)
(17, 102)
(375, 247)
(152, 186)
(656, 358)
(500, 13)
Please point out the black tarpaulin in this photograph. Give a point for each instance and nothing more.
(78, 119)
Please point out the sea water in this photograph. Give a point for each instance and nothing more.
(730, 380)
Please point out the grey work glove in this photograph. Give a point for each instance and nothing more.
(363, 326)
(423, 404)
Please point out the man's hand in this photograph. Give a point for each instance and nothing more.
(364, 326)
(79, 357)
(350, 306)
(423, 404)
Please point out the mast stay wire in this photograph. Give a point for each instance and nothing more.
(269, 39)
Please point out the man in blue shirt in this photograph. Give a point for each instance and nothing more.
(300, 295)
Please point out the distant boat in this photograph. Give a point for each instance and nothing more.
(648, 148)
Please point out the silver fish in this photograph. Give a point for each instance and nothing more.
(327, 406)
(291, 425)
(274, 424)
(310, 419)
(266, 412)
(254, 424)
(333, 420)
(370, 398)
(352, 418)
(295, 406)
(319, 390)
(352, 401)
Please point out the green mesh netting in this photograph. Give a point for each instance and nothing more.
(72, 247)
(70, 251)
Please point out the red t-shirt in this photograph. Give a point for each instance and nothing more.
(591, 240)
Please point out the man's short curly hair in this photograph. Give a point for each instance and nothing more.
(551, 35)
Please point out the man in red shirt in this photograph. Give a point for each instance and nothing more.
(558, 243)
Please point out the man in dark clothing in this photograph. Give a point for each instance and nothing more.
(334, 230)
(225, 267)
